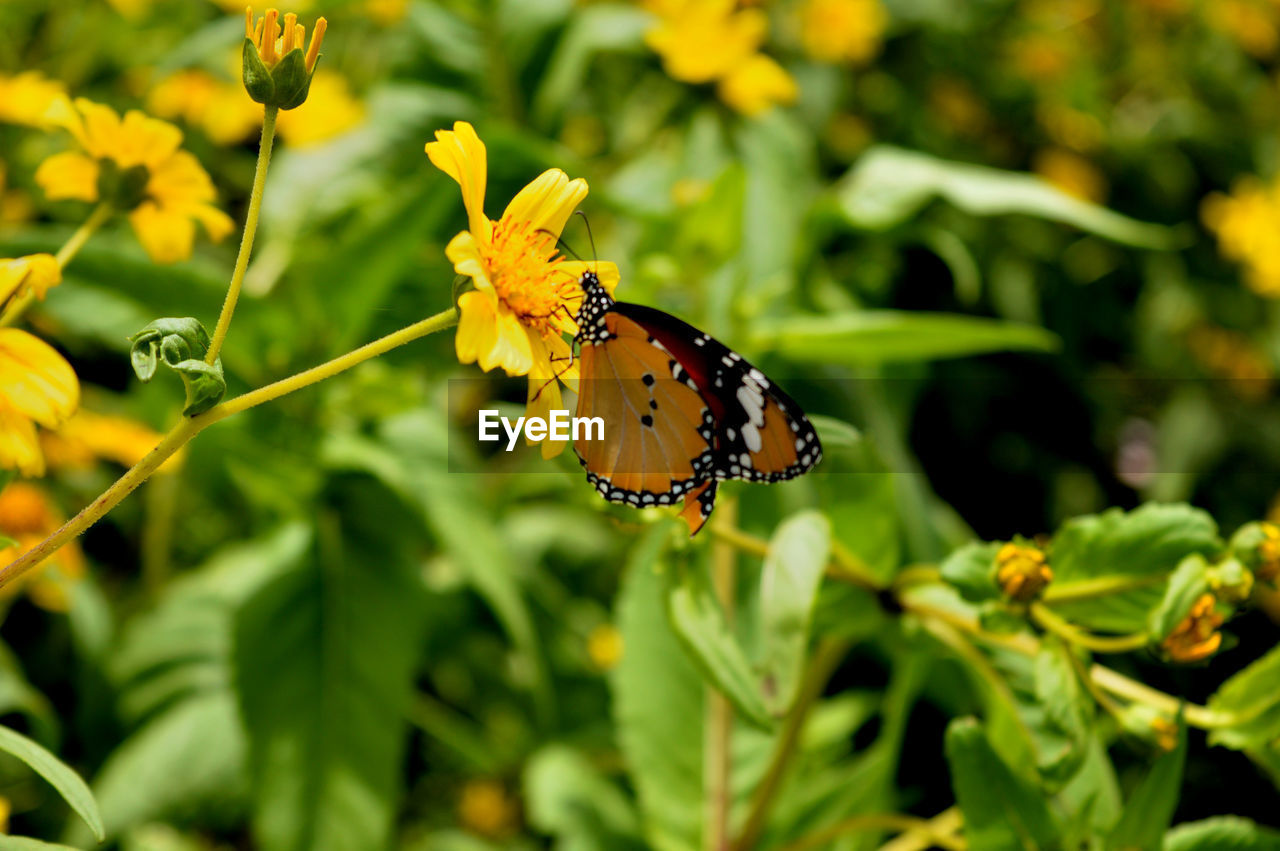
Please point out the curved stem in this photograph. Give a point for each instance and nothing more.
(1102, 586)
(1049, 620)
(246, 240)
(190, 427)
(843, 566)
(65, 254)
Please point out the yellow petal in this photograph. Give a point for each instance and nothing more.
(167, 235)
(217, 223)
(19, 449)
(69, 175)
(145, 140)
(544, 397)
(180, 180)
(548, 202)
(35, 272)
(607, 272)
(101, 128)
(460, 154)
(490, 335)
(756, 85)
(35, 381)
(464, 254)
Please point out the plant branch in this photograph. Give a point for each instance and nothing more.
(246, 239)
(843, 566)
(1050, 621)
(1102, 586)
(191, 426)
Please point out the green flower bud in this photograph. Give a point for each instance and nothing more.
(276, 71)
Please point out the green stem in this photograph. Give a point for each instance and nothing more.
(1102, 586)
(718, 766)
(1049, 620)
(65, 254)
(843, 566)
(191, 426)
(821, 666)
(246, 240)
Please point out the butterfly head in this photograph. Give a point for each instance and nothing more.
(595, 304)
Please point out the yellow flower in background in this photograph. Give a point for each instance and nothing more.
(605, 647)
(957, 107)
(28, 516)
(1231, 355)
(485, 808)
(34, 273)
(1247, 225)
(26, 97)
(526, 295)
(386, 12)
(705, 41)
(37, 386)
(757, 85)
(1196, 637)
(1253, 24)
(1071, 173)
(15, 204)
(1071, 128)
(89, 437)
(135, 164)
(218, 107)
(842, 30)
(330, 111)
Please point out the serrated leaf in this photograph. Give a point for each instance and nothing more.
(697, 619)
(789, 582)
(1149, 809)
(869, 337)
(1002, 812)
(1142, 547)
(890, 185)
(1252, 699)
(59, 775)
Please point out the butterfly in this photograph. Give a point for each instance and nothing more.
(682, 411)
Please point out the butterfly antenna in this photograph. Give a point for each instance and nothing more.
(595, 258)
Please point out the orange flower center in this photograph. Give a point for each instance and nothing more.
(524, 269)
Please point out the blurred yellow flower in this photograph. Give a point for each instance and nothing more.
(35, 273)
(330, 111)
(957, 107)
(26, 97)
(604, 646)
(1022, 572)
(1232, 356)
(15, 204)
(218, 107)
(135, 165)
(28, 517)
(1041, 57)
(842, 30)
(526, 296)
(756, 85)
(1247, 225)
(1070, 127)
(386, 12)
(1071, 173)
(1253, 24)
(88, 437)
(704, 41)
(37, 385)
(131, 8)
(486, 808)
(1196, 637)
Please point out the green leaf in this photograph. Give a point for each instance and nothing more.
(1001, 810)
(834, 433)
(890, 185)
(869, 337)
(1253, 701)
(789, 582)
(69, 785)
(1140, 548)
(1068, 711)
(594, 29)
(566, 796)
(182, 344)
(1221, 833)
(1149, 810)
(23, 843)
(1188, 582)
(324, 658)
(697, 619)
(971, 570)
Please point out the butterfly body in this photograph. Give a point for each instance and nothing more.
(682, 411)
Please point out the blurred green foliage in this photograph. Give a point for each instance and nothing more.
(340, 626)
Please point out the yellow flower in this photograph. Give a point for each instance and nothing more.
(88, 437)
(703, 40)
(1196, 637)
(330, 110)
(135, 164)
(526, 296)
(957, 107)
(36, 386)
(1165, 730)
(15, 204)
(842, 30)
(1022, 572)
(1071, 127)
(218, 107)
(27, 516)
(35, 273)
(1247, 225)
(756, 85)
(386, 12)
(1071, 173)
(25, 98)
(1252, 23)
(486, 808)
(1234, 357)
(604, 646)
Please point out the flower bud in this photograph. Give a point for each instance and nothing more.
(1257, 545)
(1196, 636)
(1230, 581)
(276, 70)
(1022, 572)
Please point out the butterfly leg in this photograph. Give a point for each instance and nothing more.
(555, 377)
